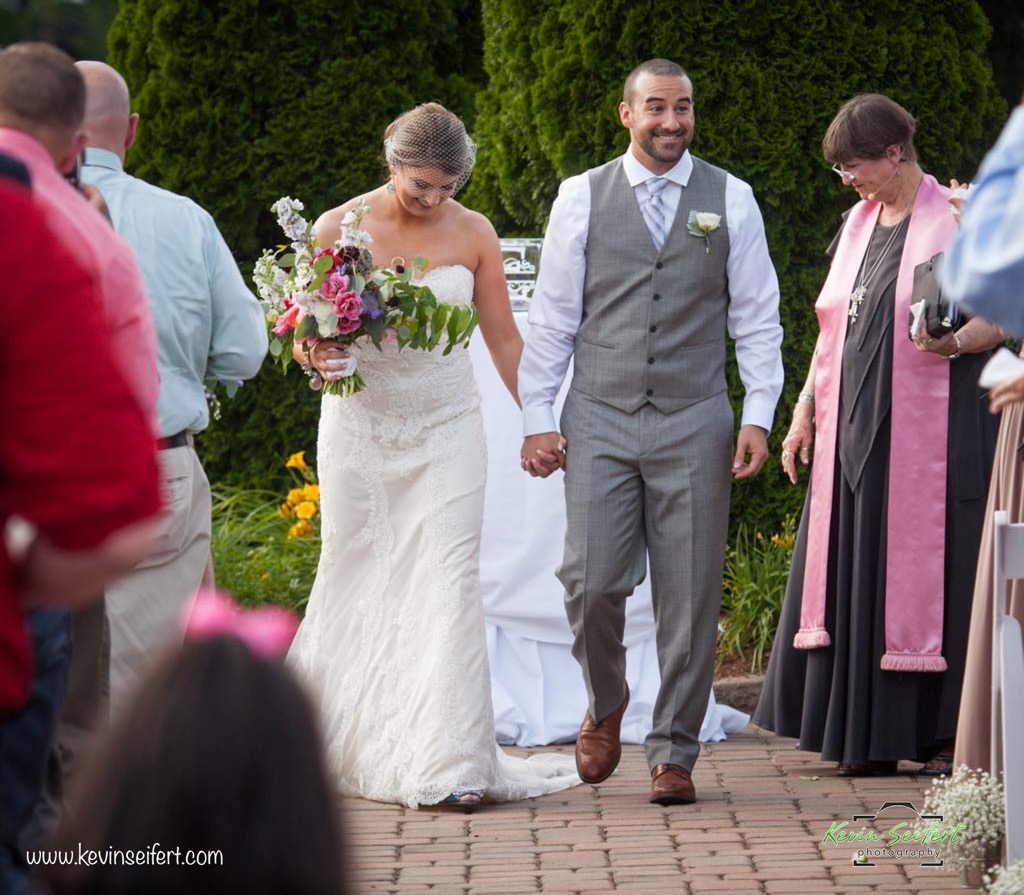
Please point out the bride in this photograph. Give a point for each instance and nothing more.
(393, 640)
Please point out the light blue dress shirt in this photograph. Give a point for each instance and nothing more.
(984, 268)
(208, 324)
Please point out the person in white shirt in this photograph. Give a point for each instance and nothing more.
(648, 261)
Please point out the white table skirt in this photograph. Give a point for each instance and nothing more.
(538, 690)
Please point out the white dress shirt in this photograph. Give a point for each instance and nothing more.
(557, 304)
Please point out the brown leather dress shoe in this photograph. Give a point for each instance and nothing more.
(598, 748)
(671, 785)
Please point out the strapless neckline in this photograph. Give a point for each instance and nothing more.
(441, 267)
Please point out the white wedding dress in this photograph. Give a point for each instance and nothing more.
(393, 641)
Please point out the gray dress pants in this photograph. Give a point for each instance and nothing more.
(648, 486)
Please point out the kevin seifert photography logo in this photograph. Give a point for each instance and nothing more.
(922, 837)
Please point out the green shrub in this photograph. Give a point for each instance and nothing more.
(754, 584)
(253, 556)
(266, 544)
(245, 101)
(767, 80)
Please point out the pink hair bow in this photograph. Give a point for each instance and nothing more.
(267, 631)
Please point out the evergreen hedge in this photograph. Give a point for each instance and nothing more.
(244, 101)
(767, 80)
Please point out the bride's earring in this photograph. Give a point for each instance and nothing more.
(391, 186)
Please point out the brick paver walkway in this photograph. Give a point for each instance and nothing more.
(763, 809)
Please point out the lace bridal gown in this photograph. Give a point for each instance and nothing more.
(393, 640)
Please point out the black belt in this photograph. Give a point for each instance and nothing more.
(181, 439)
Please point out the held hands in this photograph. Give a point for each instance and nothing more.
(798, 440)
(330, 359)
(751, 442)
(542, 454)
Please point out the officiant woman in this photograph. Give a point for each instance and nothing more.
(868, 658)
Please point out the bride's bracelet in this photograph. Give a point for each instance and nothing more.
(316, 381)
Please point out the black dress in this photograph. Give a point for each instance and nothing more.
(837, 700)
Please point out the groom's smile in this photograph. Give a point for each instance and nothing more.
(659, 115)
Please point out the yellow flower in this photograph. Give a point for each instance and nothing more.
(300, 529)
(287, 510)
(297, 461)
(310, 492)
(296, 496)
(306, 510)
(783, 541)
(264, 576)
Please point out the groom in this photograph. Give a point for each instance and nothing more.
(642, 298)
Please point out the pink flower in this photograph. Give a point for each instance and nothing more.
(348, 304)
(389, 335)
(289, 320)
(348, 325)
(336, 283)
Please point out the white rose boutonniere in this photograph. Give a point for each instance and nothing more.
(703, 223)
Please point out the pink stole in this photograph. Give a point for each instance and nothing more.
(917, 458)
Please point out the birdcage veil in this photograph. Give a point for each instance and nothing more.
(429, 136)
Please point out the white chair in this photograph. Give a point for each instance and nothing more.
(1008, 684)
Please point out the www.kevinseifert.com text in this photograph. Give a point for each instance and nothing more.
(155, 855)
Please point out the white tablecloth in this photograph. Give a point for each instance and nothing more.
(538, 690)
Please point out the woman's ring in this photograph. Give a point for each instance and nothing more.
(786, 454)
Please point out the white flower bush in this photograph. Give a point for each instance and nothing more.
(974, 799)
(1006, 880)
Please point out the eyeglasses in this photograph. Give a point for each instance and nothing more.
(844, 175)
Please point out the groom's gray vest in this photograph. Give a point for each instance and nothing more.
(654, 323)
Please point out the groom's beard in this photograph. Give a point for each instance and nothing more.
(666, 152)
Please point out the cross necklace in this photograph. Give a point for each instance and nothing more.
(858, 294)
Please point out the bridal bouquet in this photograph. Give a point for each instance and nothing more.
(312, 292)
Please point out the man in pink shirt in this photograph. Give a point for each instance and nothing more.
(42, 101)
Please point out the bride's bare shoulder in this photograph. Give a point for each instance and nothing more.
(474, 223)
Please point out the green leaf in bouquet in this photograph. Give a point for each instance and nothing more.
(286, 260)
(275, 347)
(374, 329)
(426, 297)
(231, 388)
(307, 329)
(453, 331)
(437, 325)
(420, 263)
(323, 264)
(404, 332)
(357, 283)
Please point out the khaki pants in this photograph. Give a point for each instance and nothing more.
(144, 607)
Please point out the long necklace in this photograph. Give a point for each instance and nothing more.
(858, 294)
(866, 276)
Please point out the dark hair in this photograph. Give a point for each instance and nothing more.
(866, 126)
(218, 751)
(41, 88)
(658, 67)
(429, 136)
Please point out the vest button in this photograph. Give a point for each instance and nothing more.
(654, 329)
(658, 265)
(650, 360)
(656, 296)
(650, 392)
